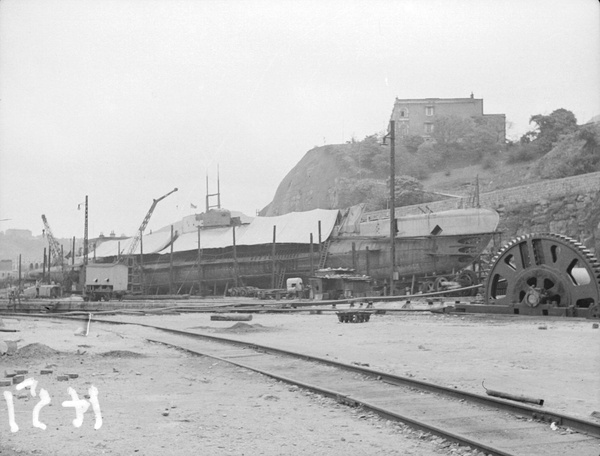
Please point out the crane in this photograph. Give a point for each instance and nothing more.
(142, 227)
(55, 248)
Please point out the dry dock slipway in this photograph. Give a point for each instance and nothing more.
(211, 252)
(217, 253)
(262, 253)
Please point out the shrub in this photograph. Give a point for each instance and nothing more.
(523, 153)
(411, 165)
(488, 163)
(429, 156)
(412, 143)
(371, 192)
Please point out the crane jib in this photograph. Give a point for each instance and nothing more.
(144, 224)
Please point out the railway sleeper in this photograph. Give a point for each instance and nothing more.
(547, 418)
(345, 400)
(353, 316)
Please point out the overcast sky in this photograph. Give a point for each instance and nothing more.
(124, 100)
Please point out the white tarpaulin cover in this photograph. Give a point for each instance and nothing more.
(292, 228)
(153, 243)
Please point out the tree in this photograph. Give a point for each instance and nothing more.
(459, 140)
(408, 191)
(549, 129)
(482, 140)
(412, 165)
(428, 155)
(412, 143)
(363, 159)
(371, 192)
(450, 131)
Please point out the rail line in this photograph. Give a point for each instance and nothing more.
(494, 426)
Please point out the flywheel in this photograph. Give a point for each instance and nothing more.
(547, 268)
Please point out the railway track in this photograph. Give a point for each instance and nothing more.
(494, 426)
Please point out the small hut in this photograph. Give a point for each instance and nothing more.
(339, 283)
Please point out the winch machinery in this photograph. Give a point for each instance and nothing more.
(544, 270)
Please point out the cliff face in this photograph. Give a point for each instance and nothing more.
(311, 184)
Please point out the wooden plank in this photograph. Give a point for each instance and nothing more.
(231, 317)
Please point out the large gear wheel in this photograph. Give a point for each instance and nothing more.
(546, 268)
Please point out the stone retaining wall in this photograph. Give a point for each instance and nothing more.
(569, 206)
(525, 194)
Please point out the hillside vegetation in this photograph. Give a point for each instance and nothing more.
(462, 151)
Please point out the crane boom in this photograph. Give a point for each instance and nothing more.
(144, 224)
(52, 242)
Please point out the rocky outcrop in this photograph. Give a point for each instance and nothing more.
(311, 184)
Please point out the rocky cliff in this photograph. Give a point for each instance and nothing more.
(311, 184)
(526, 203)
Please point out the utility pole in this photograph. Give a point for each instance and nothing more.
(199, 264)
(273, 284)
(141, 277)
(85, 234)
(320, 240)
(44, 267)
(171, 264)
(312, 266)
(236, 267)
(83, 274)
(392, 135)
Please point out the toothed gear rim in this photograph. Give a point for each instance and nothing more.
(545, 268)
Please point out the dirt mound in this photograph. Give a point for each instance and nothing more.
(122, 354)
(245, 327)
(36, 351)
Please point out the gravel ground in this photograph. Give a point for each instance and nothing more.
(155, 400)
(551, 358)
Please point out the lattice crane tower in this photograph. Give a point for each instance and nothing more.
(55, 247)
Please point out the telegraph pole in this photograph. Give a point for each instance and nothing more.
(273, 251)
(199, 264)
(141, 278)
(171, 264)
(83, 275)
(392, 135)
(85, 234)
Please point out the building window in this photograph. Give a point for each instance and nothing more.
(403, 113)
(403, 130)
(429, 110)
(428, 128)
